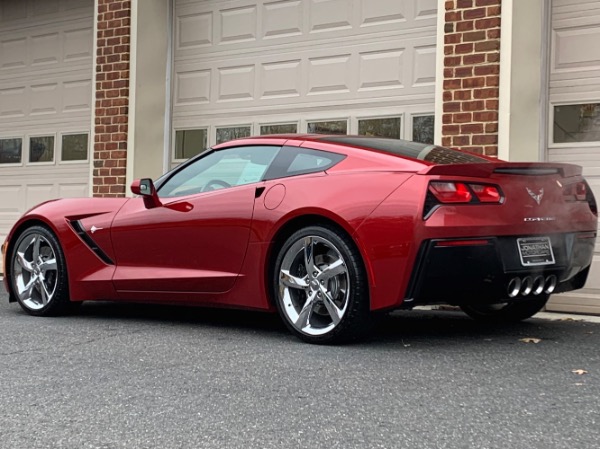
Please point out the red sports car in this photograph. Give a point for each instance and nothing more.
(327, 230)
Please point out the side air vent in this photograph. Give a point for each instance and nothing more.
(78, 228)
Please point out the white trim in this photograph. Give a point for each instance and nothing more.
(93, 102)
(169, 87)
(504, 100)
(439, 74)
(129, 169)
(544, 104)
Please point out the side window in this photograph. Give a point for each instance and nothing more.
(293, 161)
(220, 169)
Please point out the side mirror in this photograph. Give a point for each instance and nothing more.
(145, 188)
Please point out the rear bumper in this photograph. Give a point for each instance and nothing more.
(487, 269)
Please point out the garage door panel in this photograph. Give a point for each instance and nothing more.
(240, 26)
(45, 91)
(395, 68)
(575, 82)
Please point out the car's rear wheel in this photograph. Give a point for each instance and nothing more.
(320, 286)
(506, 312)
(39, 274)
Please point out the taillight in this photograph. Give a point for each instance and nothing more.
(576, 191)
(451, 192)
(454, 192)
(462, 192)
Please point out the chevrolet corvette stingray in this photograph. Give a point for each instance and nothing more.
(326, 230)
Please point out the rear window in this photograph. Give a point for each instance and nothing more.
(414, 150)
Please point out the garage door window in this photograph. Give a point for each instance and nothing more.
(422, 129)
(41, 149)
(380, 127)
(279, 128)
(74, 147)
(10, 151)
(232, 132)
(338, 127)
(577, 123)
(190, 142)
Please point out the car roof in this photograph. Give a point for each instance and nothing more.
(422, 152)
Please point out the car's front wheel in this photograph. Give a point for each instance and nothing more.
(507, 312)
(320, 286)
(38, 273)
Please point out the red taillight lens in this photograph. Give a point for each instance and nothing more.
(451, 192)
(460, 192)
(575, 192)
(486, 194)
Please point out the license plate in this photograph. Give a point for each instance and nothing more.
(535, 251)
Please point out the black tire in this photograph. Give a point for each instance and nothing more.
(26, 270)
(347, 291)
(511, 312)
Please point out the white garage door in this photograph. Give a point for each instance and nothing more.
(45, 97)
(575, 115)
(340, 66)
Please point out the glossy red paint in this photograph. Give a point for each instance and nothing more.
(215, 248)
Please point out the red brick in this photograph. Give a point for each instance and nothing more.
(493, 57)
(474, 36)
(491, 128)
(488, 46)
(446, 141)
(464, 48)
(464, 3)
(453, 16)
(452, 61)
(491, 105)
(463, 94)
(451, 106)
(452, 84)
(488, 2)
(475, 105)
(460, 141)
(473, 59)
(485, 139)
(485, 116)
(449, 5)
(453, 38)
(490, 69)
(492, 80)
(463, 72)
(474, 13)
(471, 128)
(490, 92)
(466, 25)
(463, 117)
(470, 83)
(449, 130)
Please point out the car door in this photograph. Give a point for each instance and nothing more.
(196, 240)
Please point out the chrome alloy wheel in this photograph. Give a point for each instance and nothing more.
(35, 272)
(314, 285)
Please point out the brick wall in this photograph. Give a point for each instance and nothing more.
(112, 98)
(471, 75)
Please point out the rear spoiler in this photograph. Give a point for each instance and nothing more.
(486, 169)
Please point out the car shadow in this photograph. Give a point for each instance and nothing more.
(432, 327)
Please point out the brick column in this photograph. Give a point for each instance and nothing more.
(471, 75)
(112, 97)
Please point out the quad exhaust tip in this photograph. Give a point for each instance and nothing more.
(530, 285)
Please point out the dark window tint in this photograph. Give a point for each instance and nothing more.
(190, 142)
(414, 150)
(10, 151)
(423, 128)
(41, 149)
(74, 147)
(577, 123)
(293, 161)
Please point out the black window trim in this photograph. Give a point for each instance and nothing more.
(279, 167)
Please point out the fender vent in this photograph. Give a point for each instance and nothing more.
(83, 235)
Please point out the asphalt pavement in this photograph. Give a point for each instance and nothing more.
(139, 376)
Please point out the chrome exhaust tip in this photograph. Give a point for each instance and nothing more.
(526, 285)
(538, 285)
(551, 283)
(514, 286)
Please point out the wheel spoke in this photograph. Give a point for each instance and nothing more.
(36, 249)
(309, 260)
(27, 266)
(43, 292)
(49, 264)
(27, 291)
(334, 311)
(293, 281)
(334, 269)
(306, 312)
